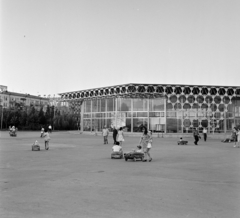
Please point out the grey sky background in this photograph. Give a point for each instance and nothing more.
(54, 46)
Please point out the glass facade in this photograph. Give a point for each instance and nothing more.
(170, 114)
(160, 107)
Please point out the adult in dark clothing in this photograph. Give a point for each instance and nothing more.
(115, 132)
(196, 136)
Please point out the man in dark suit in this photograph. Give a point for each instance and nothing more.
(115, 132)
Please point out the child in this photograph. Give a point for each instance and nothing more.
(117, 148)
(139, 149)
(42, 131)
(46, 139)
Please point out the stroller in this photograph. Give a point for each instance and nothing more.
(134, 156)
(35, 146)
(13, 132)
(231, 138)
(184, 142)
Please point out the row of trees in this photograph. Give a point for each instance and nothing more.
(29, 118)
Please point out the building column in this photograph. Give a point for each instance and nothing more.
(148, 113)
(225, 121)
(116, 105)
(165, 114)
(91, 117)
(81, 114)
(131, 115)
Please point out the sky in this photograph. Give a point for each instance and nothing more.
(55, 46)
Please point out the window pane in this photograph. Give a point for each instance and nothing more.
(142, 114)
(140, 104)
(124, 104)
(156, 104)
(138, 124)
(110, 104)
(87, 106)
(95, 105)
(128, 125)
(103, 105)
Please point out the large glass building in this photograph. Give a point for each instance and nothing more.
(161, 108)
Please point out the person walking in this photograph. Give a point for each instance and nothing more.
(144, 142)
(149, 146)
(120, 136)
(105, 133)
(42, 131)
(196, 136)
(115, 132)
(238, 138)
(205, 134)
(46, 137)
(234, 136)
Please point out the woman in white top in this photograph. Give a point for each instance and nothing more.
(149, 145)
(120, 136)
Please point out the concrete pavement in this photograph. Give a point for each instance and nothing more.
(77, 178)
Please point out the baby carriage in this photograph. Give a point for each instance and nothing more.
(13, 133)
(231, 138)
(134, 156)
(35, 146)
(183, 142)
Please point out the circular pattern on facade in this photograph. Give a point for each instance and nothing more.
(200, 99)
(195, 91)
(191, 98)
(204, 106)
(204, 123)
(173, 98)
(186, 106)
(213, 107)
(169, 90)
(195, 106)
(177, 106)
(182, 99)
(178, 90)
(221, 91)
(187, 123)
(226, 99)
(221, 107)
(217, 99)
(213, 91)
(217, 115)
(186, 90)
(195, 123)
(208, 99)
(204, 91)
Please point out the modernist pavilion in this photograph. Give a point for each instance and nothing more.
(159, 107)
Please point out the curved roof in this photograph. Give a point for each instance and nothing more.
(134, 90)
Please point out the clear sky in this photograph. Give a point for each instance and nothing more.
(54, 46)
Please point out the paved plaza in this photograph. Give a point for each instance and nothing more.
(77, 178)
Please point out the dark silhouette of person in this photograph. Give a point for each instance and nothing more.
(115, 132)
